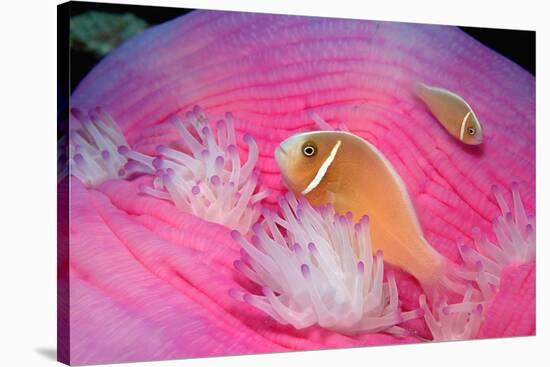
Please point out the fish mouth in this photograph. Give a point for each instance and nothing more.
(281, 158)
(281, 152)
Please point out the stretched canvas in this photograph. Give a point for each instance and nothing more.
(233, 183)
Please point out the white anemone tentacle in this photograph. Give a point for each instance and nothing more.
(316, 267)
(208, 178)
(515, 243)
(483, 265)
(93, 148)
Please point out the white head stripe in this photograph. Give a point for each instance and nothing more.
(323, 169)
(463, 126)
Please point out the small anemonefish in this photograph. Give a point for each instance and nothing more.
(453, 112)
(343, 169)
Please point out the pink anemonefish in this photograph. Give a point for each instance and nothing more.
(351, 174)
(452, 112)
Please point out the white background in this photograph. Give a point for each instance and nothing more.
(28, 179)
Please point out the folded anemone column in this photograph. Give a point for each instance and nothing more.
(151, 281)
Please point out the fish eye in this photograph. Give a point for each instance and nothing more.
(471, 130)
(309, 149)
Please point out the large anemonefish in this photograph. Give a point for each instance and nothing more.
(343, 169)
(453, 112)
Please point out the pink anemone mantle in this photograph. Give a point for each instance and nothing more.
(149, 281)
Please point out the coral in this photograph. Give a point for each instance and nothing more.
(100, 32)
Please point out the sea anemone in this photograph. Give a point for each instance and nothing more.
(514, 231)
(515, 234)
(459, 321)
(323, 125)
(207, 179)
(149, 281)
(316, 267)
(93, 147)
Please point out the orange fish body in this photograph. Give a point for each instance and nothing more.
(452, 112)
(351, 174)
